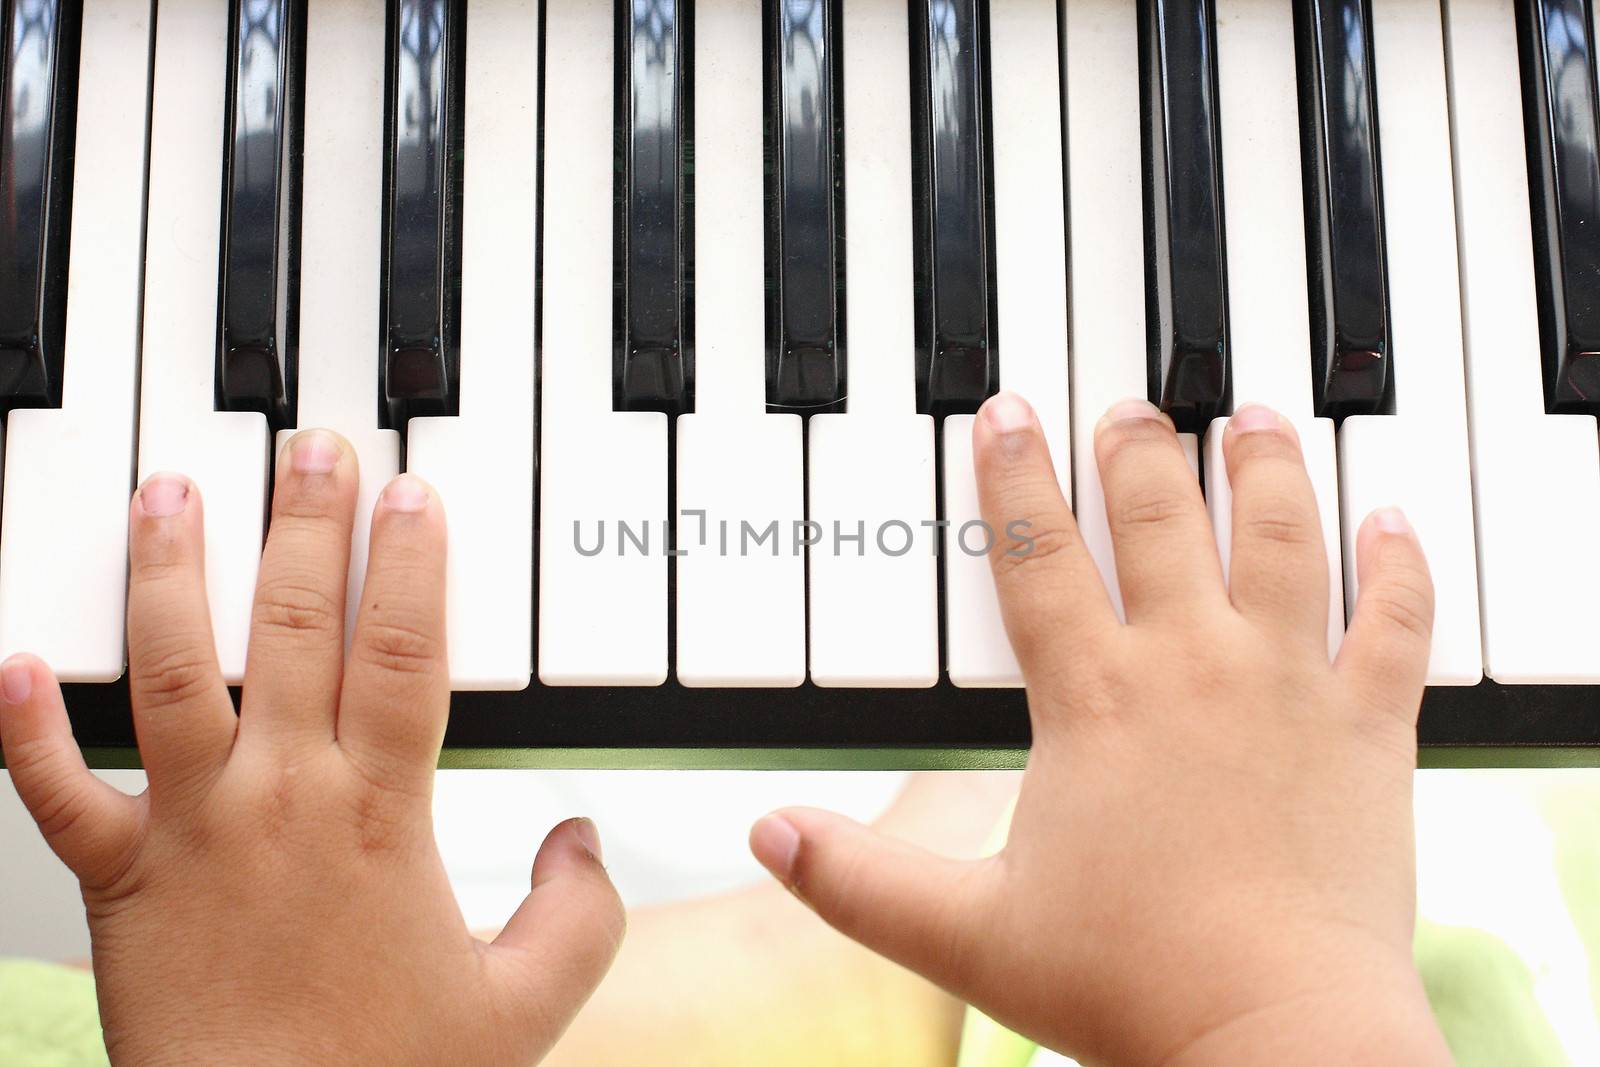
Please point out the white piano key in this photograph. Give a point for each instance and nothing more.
(1101, 50)
(741, 587)
(341, 218)
(602, 615)
(740, 610)
(1417, 458)
(875, 615)
(1536, 476)
(977, 651)
(224, 453)
(1031, 283)
(1269, 328)
(64, 538)
(481, 461)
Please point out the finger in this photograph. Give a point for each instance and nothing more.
(397, 680)
(1167, 561)
(90, 825)
(1385, 650)
(296, 658)
(563, 937)
(923, 911)
(1050, 594)
(1278, 570)
(182, 714)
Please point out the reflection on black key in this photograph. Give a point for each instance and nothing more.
(1185, 299)
(1556, 42)
(422, 255)
(653, 368)
(957, 364)
(256, 358)
(1351, 348)
(36, 131)
(805, 359)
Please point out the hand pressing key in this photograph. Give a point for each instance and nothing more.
(276, 896)
(1211, 859)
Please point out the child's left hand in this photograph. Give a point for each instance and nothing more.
(277, 894)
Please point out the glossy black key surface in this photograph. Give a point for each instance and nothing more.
(1351, 343)
(1556, 43)
(805, 356)
(261, 161)
(422, 255)
(653, 368)
(38, 98)
(1185, 294)
(957, 350)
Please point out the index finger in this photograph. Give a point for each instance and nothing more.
(1050, 593)
(182, 714)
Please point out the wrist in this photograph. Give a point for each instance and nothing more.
(1385, 1018)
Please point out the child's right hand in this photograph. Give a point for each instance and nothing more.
(1211, 858)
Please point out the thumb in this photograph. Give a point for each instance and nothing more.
(89, 824)
(903, 902)
(1385, 650)
(566, 932)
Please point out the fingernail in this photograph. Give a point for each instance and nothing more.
(589, 835)
(163, 495)
(1132, 408)
(313, 452)
(1391, 520)
(406, 493)
(1007, 413)
(776, 842)
(1253, 418)
(16, 680)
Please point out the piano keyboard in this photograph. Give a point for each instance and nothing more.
(685, 307)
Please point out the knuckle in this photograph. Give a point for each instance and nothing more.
(399, 647)
(294, 605)
(170, 672)
(1405, 602)
(1116, 441)
(307, 502)
(1246, 449)
(1281, 518)
(53, 799)
(1041, 545)
(159, 571)
(1147, 507)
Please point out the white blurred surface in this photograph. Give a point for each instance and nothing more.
(666, 835)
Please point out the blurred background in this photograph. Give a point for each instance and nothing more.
(1508, 866)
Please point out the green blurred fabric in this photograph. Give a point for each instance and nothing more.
(48, 1016)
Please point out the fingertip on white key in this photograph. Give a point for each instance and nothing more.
(978, 652)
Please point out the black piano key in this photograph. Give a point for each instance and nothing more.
(653, 363)
(805, 356)
(1185, 293)
(38, 105)
(1556, 43)
(256, 358)
(422, 257)
(1351, 345)
(957, 354)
